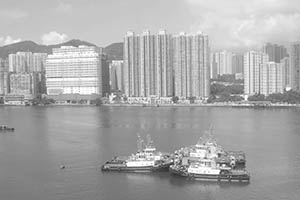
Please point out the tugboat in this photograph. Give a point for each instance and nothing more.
(5, 128)
(208, 161)
(147, 159)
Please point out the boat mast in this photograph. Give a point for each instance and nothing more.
(140, 143)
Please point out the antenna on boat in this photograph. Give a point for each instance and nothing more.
(149, 141)
(207, 136)
(140, 142)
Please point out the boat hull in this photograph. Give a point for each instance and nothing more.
(212, 177)
(124, 168)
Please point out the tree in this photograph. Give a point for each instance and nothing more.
(175, 99)
(257, 97)
(97, 102)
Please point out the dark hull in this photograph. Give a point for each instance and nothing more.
(4, 128)
(124, 168)
(209, 177)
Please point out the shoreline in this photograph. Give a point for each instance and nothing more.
(205, 105)
(166, 105)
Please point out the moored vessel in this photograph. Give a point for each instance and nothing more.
(147, 159)
(6, 128)
(208, 161)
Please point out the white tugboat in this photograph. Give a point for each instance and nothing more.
(147, 159)
(208, 161)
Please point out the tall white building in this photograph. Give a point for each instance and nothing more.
(20, 62)
(191, 65)
(271, 78)
(75, 70)
(182, 52)
(132, 74)
(285, 64)
(39, 62)
(148, 64)
(253, 62)
(295, 65)
(164, 64)
(224, 63)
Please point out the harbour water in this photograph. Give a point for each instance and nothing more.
(82, 138)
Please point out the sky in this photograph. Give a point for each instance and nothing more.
(230, 24)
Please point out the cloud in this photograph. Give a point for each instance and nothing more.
(13, 14)
(64, 7)
(236, 24)
(54, 37)
(8, 40)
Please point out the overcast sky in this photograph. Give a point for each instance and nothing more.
(230, 24)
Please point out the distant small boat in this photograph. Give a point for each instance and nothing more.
(5, 128)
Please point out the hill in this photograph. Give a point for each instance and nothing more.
(34, 47)
(114, 51)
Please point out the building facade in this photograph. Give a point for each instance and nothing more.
(39, 62)
(148, 64)
(285, 65)
(275, 52)
(295, 65)
(224, 63)
(237, 64)
(4, 77)
(116, 75)
(164, 64)
(23, 83)
(77, 70)
(131, 64)
(253, 61)
(191, 65)
(271, 78)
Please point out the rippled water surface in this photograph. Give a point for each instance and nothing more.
(82, 138)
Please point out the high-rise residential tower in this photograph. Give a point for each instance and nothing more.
(295, 65)
(285, 65)
(164, 64)
(223, 60)
(4, 77)
(39, 62)
(132, 75)
(275, 52)
(191, 65)
(238, 63)
(253, 62)
(182, 52)
(271, 78)
(147, 65)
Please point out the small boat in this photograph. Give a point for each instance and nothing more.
(147, 159)
(5, 128)
(208, 161)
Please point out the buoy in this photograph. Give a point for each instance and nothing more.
(62, 167)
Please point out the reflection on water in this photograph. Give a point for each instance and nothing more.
(83, 138)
